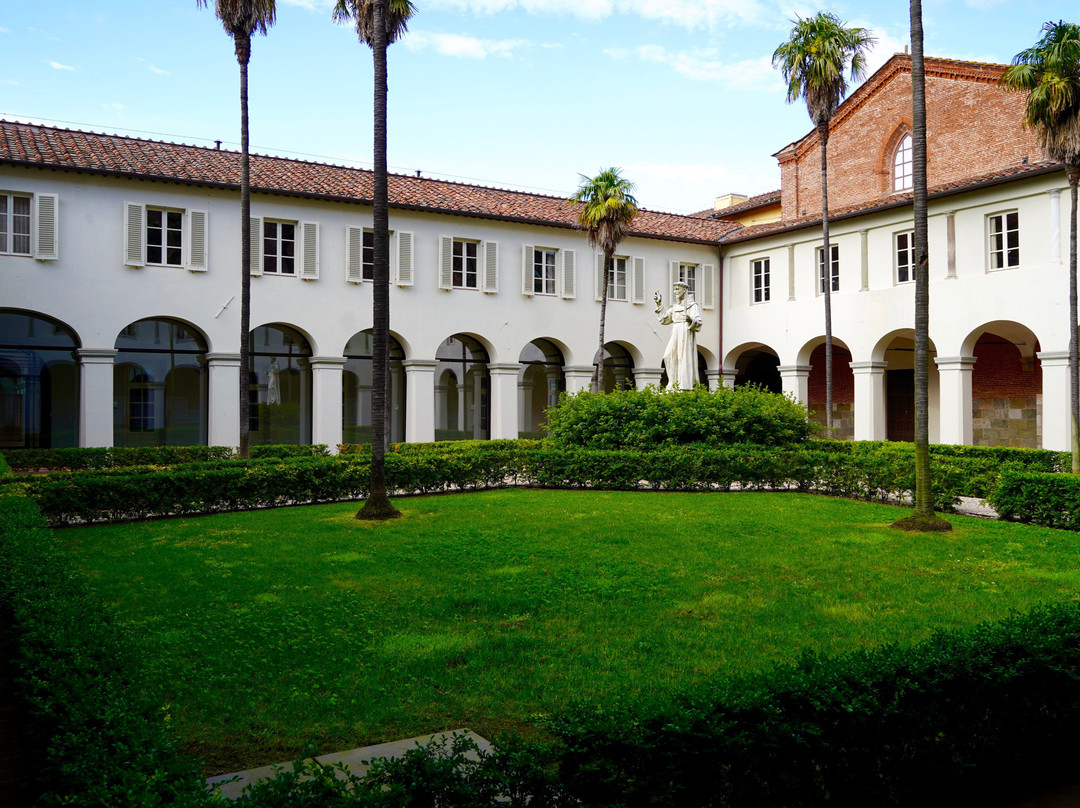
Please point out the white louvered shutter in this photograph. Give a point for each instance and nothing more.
(527, 270)
(47, 244)
(706, 286)
(446, 262)
(354, 254)
(637, 279)
(197, 240)
(134, 234)
(568, 276)
(255, 239)
(598, 279)
(673, 278)
(404, 259)
(309, 251)
(490, 252)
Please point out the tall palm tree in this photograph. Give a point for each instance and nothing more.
(378, 24)
(241, 19)
(923, 518)
(607, 207)
(813, 61)
(1049, 72)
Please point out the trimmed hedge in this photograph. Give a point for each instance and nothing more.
(112, 457)
(1052, 500)
(960, 716)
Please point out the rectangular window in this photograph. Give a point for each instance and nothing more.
(762, 285)
(905, 257)
(688, 275)
(835, 269)
(279, 248)
(617, 279)
(165, 237)
(464, 264)
(1004, 231)
(543, 271)
(14, 224)
(141, 409)
(367, 256)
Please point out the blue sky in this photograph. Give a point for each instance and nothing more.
(523, 94)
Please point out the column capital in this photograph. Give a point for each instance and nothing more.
(419, 364)
(1054, 192)
(868, 367)
(327, 361)
(223, 359)
(795, 370)
(96, 356)
(504, 368)
(964, 363)
(1053, 358)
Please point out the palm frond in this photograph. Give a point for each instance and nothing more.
(244, 17)
(361, 13)
(607, 208)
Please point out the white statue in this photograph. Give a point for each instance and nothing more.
(273, 386)
(684, 317)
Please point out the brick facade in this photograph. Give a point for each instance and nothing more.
(1006, 395)
(843, 392)
(973, 127)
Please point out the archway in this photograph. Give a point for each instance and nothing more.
(540, 384)
(1006, 386)
(39, 382)
(897, 350)
(618, 370)
(843, 420)
(279, 396)
(760, 366)
(356, 390)
(462, 375)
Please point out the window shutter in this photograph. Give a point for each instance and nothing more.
(309, 268)
(446, 262)
(490, 251)
(569, 274)
(197, 224)
(637, 281)
(598, 277)
(706, 286)
(134, 234)
(527, 270)
(46, 248)
(405, 258)
(354, 252)
(256, 245)
(673, 277)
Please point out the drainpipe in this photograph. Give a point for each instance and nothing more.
(720, 309)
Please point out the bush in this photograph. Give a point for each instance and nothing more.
(651, 419)
(113, 457)
(955, 718)
(1052, 500)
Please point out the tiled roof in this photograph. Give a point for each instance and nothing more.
(752, 203)
(1019, 171)
(31, 144)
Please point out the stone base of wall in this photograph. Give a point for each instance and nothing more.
(1007, 422)
(843, 420)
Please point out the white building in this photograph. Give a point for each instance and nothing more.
(119, 314)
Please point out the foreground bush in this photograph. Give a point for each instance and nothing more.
(651, 419)
(1051, 500)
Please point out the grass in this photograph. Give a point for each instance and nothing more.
(269, 630)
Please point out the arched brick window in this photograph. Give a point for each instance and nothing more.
(902, 165)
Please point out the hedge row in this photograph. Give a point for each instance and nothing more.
(950, 721)
(1052, 500)
(125, 456)
(90, 734)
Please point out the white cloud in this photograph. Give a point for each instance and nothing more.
(984, 4)
(58, 66)
(459, 45)
(10, 82)
(154, 69)
(705, 65)
(114, 106)
(686, 13)
(4, 30)
(310, 5)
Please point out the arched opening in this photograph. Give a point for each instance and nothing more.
(903, 165)
(39, 382)
(899, 354)
(843, 419)
(462, 390)
(356, 390)
(618, 370)
(279, 394)
(1006, 388)
(159, 385)
(759, 366)
(539, 386)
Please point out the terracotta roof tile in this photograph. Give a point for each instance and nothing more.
(31, 144)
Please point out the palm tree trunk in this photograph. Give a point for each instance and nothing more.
(377, 506)
(243, 56)
(1074, 362)
(598, 371)
(826, 257)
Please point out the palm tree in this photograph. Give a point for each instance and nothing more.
(813, 61)
(607, 209)
(241, 19)
(923, 518)
(1049, 72)
(378, 24)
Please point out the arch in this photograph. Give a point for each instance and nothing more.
(755, 363)
(1006, 385)
(1019, 334)
(733, 356)
(279, 393)
(40, 379)
(539, 384)
(887, 159)
(356, 383)
(469, 415)
(618, 367)
(160, 384)
(897, 351)
(813, 354)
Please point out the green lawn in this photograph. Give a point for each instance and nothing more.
(269, 629)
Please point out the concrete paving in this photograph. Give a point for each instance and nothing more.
(356, 759)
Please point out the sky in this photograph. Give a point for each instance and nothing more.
(680, 95)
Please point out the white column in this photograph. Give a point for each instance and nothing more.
(1055, 225)
(1056, 416)
(869, 400)
(96, 396)
(223, 401)
(796, 382)
(326, 414)
(524, 397)
(578, 377)
(440, 407)
(643, 377)
(954, 403)
(504, 400)
(729, 377)
(950, 242)
(462, 413)
(713, 379)
(420, 406)
(864, 261)
(790, 273)
(395, 405)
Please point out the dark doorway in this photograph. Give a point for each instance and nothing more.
(900, 402)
